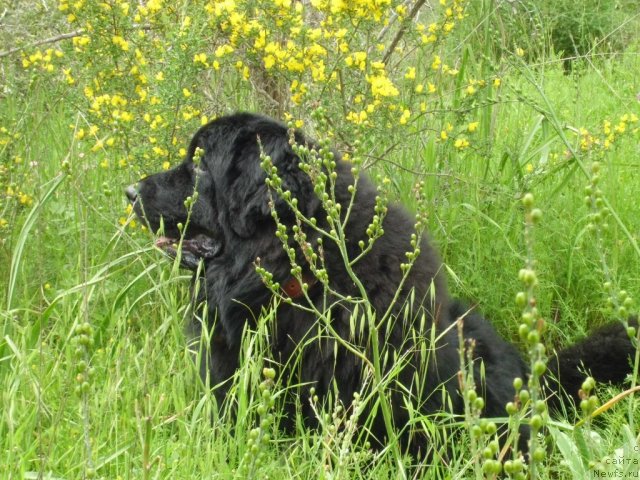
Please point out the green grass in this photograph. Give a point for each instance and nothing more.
(65, 261)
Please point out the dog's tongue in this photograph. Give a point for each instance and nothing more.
(163, 242)
(193, 249)
(188, 259)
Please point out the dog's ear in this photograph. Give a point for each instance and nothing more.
(249, 203)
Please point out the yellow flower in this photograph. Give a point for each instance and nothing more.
(166, 165)
(200, 58)
(357, 118)
(120, 42)
(404, 118)
(473, 126)
(25, 199)
(269, 61)
(411, 73)
(382, 86)
(461, 143)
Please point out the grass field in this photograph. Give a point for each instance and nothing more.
(96, 377)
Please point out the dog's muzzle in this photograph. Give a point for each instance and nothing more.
(132, 192)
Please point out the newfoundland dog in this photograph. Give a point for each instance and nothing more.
(348, 316)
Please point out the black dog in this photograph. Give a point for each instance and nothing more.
(231, 225)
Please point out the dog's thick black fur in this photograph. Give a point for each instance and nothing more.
(231, 225)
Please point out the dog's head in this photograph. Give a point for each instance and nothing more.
(217, 196)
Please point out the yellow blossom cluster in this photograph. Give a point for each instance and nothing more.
(324, 46)
(149, 74)
(43, 60)
(609, 133)
(14, 181)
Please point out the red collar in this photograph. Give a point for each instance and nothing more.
(293, 288)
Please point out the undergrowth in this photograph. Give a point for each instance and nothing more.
(97, 378)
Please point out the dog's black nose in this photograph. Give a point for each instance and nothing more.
(132, 192)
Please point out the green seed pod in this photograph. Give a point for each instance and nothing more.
(494, 467)
(584, 406)
(508, 467)
(541, 406)
(536, 422)
(518, 466)
(494, 445)
(539, 454)
(539, 368)
(523, 331)
(588, 384)
(517, 383)
(536, 215)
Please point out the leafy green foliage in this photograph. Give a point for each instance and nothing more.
(441, 101)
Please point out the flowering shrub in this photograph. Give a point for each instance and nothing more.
(150, 71)
(135, 80)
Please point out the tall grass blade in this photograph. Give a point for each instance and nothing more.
(24, 233)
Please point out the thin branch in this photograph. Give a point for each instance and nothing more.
(55, 39)
(392, 46)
